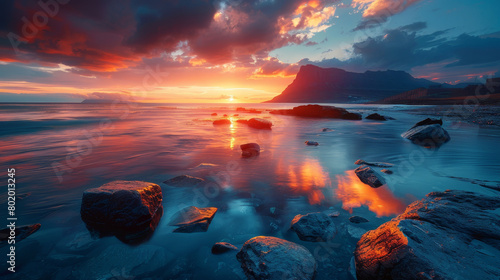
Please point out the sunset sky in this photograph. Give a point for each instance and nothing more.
(232, 50)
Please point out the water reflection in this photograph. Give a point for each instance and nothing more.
(353, 193)
(308, 179)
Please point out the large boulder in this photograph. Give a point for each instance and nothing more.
(193, 219)
(259, 123)
(271, 258)
(447, 235)
(318, 111)
(369, 176)
(427, 133)
(250, 150)
(132, 207)
(315, 227)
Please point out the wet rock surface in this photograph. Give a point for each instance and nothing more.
(369, 176)
(427, 133)
(376, 164)
(128, 209)
(447, 235)
(377, 117)
(193, 219)
(184, 181)
(223, 247)
(314, 227)
(259, 123)
(265, 257)
(250, 150)
(312, 143)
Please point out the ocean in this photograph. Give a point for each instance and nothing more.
(60, 150)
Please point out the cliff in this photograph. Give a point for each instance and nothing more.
(333, 85)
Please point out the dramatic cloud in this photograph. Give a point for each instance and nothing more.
(104, 36)
(404, 49)
(274, 68)
(376, 12)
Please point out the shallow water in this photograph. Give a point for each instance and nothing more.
(59, 150)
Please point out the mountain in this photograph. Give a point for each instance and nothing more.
(471, 94)
(334, 85)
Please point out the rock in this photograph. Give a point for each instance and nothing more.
(128, 209)
(386, 171)
(428, 121)
(253, 111)
(355, 232)
(439, 237)
(357, 220)
(259, 123)
(225, 115)
(315, 227)
(184, 181)
(250, 150)
(123, 262)
(223, 247)
(332, 213)
(427, 135)
(376, 117)
(222, 122)
(376, 164)
(318, 111)
(369, 176)
(193, 219)
(311, 143)
(21, 233)
(214, 114)
(352, 116)
(327, 129)
(271, 258)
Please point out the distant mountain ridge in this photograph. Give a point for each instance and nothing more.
(334, 85)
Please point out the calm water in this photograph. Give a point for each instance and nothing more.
(59, 150)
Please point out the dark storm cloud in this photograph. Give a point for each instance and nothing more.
(105, 36)
(400, 49)
(413, 27)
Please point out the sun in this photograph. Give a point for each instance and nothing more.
(231, 98)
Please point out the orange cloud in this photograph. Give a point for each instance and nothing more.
(382, 8)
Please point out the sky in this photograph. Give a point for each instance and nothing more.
(232, 50)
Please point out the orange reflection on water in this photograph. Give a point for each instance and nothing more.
(309, 179)
(354, 193)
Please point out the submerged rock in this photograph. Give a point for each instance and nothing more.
(312, 143)
(223, 247)
(447, 235)
(318, 111)
(369, 176)
(376, 116)
(326, 129)
(259, 123)
(427, 133)
(315, 227)
(376, 164)
(128, 209)
(250, 150)
(222, 122)
(184, 181)
(358, 220)
(214, 114)
(193, 219)
(21, 233)
(271, 258)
